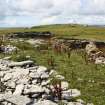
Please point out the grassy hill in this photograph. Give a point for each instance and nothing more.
(65, 30)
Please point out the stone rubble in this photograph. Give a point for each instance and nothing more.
(29, 85)
(94, 54)
(8, 49)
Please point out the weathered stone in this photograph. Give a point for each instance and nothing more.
(33, 69)
(11, 84)
(80, 101)
(64, 85)
(4, 68)
(60, 77)
(20, 64)
(35, 75)
(41, 69)
(2, 73)
(71, 93)
(91, 47)
(19, 100)
(33, 89)
(8, 76)
(46, 90)
(74, 103)
(45, 83)
(9, 104)
(45, 102)
(34, 82)
(24, 80)
(53, 72)
(19, 89)
(100, 60)
(19, 73)
(7, 58)
(44, 76)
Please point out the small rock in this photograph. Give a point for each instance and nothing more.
(2, 73)
(11, 84)
(71, 93)
(34, 89)
(44, 83)
(41, 69)
(44, 76)
(74, 103)
(64, 85)
(60, 77)
(34, 82)
(8, 76)
(35, 75)
(80, 101)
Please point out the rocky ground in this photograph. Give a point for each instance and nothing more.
(25, 83)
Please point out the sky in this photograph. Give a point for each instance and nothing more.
(22, 13)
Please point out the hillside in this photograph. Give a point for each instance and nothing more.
(65, 30)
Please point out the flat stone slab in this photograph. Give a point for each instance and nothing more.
(19, 100)
(45, 102)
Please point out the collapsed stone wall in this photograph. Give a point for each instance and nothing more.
(95, 54)
(30, 85)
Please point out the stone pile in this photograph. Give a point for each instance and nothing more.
(8, 49)
(94, 54)
(27, 84)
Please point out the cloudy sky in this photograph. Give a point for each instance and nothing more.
(15, 13)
